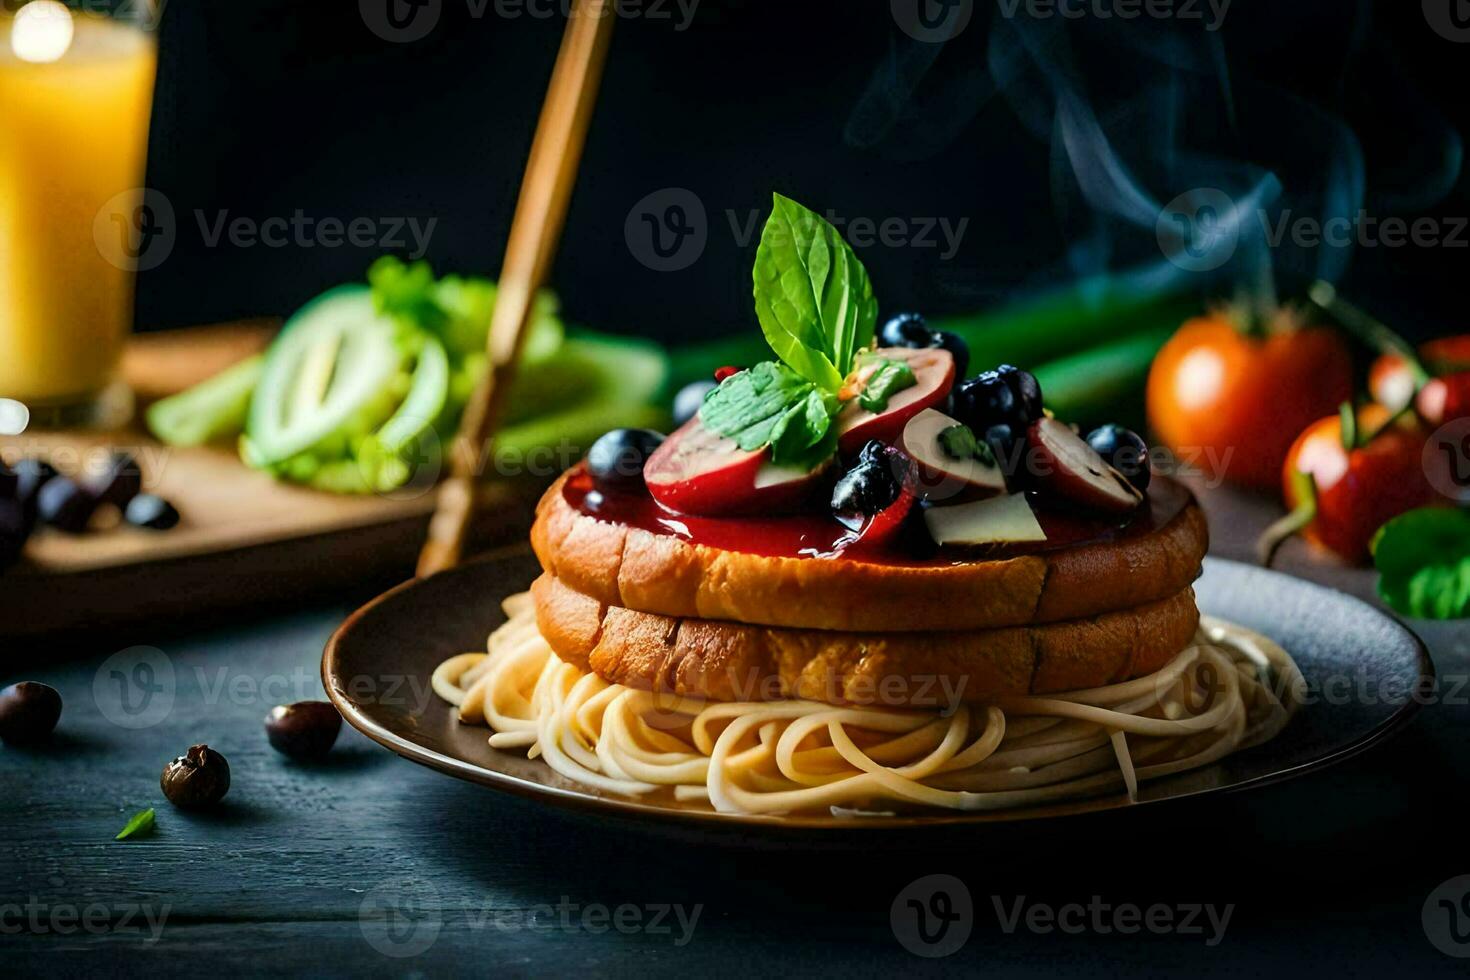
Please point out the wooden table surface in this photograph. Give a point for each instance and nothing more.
(369, 865)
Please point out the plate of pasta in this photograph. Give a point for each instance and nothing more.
(1281, 677)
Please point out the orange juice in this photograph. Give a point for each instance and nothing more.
(73, 135)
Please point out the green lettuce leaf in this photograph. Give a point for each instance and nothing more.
(457, 309)
(1423, 560)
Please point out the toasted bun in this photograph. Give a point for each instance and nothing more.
(635, 569)
(726, 661)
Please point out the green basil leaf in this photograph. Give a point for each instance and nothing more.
(770, 404)
(812, 295)
(959, 442)
(1423, 560)
(751, 406)
(141, 823)
(811, 457)
(887, 380)
(803, 429)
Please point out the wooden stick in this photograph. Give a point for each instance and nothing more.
(534, 232)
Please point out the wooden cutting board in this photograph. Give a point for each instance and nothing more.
(244, 539)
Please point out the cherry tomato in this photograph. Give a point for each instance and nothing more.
(1358, 491)
(1444, 399)
(1233, 402)
(1391, 381)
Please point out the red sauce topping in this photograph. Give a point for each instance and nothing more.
(817, 535)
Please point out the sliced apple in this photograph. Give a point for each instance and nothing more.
(997, 520)
(1066, 466)
(933, 377)
(696, 471)
(940, 475)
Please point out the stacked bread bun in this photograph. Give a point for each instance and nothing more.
(657, 609)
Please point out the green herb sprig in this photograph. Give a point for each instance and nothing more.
(140, 824)
(816, 309)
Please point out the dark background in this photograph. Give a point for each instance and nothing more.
(268, 107)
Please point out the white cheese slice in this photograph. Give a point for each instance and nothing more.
(997, 520)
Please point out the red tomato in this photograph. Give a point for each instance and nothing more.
(1391, 383)
(1233, 403)
(1359, 491)
(1444, 399)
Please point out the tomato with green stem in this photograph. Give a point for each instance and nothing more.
(1347, 475)
(1232, 391)
(1392, 382)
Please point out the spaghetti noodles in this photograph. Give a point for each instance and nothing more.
(1230, 690)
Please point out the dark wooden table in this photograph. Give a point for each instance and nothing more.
(367, 864)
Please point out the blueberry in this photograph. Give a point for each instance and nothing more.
(690, 399)
(1008, 443)
(616, 460)
(65, 504)
(986, 400)
(874, 451)
(1125, 451)
(863, 491)
(147, 510)
(1027, 389)
(957, 348)
(907, 330)
(115, 481)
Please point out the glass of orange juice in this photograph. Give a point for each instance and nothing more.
(76, 89)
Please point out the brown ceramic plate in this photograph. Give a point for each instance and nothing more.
(1362, 668)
